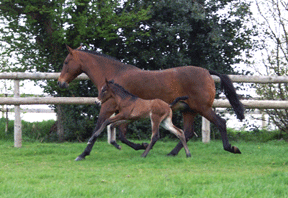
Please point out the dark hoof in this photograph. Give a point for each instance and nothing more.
(236, 150)
(188, 155)
(145, 145)
(79, 158)
(118, 147)
(172, 154)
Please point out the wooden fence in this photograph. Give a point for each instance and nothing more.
(17, 101)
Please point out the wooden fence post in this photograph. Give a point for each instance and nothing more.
(60, 129)
(17, 120)
(205, 130)
(264, 123)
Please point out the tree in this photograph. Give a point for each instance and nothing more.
(35, 34)
(210, 34)
(273, 22)
(149, 34)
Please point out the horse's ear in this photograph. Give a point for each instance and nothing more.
(70, 50)
(80, 47)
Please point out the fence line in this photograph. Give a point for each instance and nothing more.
(219, 103)
(50, 76)
(17, 101)
(11, 110)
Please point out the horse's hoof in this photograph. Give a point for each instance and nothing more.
(79, 158)
(236, 150)
(145, 145)
(119, 147)
(188, 155)
(171, 154)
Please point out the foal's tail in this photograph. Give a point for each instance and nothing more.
(229, 90)
(178, 99)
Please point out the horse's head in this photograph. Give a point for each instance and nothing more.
(71, 68)
(106, 91)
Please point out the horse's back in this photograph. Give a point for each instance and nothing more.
(168, 84)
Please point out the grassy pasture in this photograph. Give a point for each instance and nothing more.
(49, 170)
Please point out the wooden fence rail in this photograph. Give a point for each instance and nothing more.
(249, 104)
(17, 101)
(234, 78)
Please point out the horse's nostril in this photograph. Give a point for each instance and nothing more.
(62, 84)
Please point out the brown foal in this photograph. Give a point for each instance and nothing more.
(132, 108)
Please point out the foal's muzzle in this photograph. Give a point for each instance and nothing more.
(62, 84)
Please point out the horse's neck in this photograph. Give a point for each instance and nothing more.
(98, 72)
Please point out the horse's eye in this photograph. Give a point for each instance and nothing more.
(66, 63)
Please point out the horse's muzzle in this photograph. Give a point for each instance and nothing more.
(62, 84)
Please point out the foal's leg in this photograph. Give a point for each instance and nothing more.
(107, 109)
(167, 124)
(221, 124)
(155, 122)
(188, 122)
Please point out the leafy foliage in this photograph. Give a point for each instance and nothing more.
(149, 34)
(273, 23)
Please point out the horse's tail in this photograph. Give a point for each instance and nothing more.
(178, 99)
(229, 90)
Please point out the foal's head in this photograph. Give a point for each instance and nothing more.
(111, 89)
(71, 68)
(106, 91)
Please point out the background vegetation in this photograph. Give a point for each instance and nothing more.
(272, 23)
(148, 34)
(46, 132)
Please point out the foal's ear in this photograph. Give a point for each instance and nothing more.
(70, 50)
(106, 81)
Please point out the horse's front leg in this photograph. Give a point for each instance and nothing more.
(107, 109)
(99, 131)
(111, 135)
(122, 136)
(113, 120)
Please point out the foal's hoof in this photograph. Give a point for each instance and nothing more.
(79, 158)
(236, 150)
(188, 155)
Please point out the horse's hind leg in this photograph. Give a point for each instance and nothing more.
(221, 125)
(122, 131)
(188, 120)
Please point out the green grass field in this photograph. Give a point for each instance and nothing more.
(49, 170)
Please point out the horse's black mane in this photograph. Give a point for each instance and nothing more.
(99, 54)
(119, 90)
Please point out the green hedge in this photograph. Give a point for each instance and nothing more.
(45, 131)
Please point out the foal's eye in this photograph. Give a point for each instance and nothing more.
(66, 63)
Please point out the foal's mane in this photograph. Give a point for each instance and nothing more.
(99, 54)
(119, 90)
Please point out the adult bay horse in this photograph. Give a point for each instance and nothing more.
(168, 84)
(132, 108)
